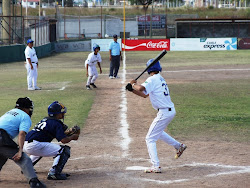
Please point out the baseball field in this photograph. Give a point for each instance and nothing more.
(211, 93)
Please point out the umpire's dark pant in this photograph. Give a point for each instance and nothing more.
(7, 152)
(114, 65)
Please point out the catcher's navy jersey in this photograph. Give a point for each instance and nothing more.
(46, 130)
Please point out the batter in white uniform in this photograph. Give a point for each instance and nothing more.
(90, 64)
(157, 89)
(31, 65)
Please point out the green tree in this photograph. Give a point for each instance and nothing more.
(68, 3)
(145, 4)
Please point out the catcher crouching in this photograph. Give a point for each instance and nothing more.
(38, 140)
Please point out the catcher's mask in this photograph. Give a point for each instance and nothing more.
(56, 108)
(155, 68)
(25, 102)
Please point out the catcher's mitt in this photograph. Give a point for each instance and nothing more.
(73, 130)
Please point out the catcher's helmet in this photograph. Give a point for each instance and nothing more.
(25, 102)
(155, 68)
(56, 108)
(96, 46)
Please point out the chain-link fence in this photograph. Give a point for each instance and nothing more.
(17, 29)
(11, 31)
(61, 26)
(102, 26)
(38, 30)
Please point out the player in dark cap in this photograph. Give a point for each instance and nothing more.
(17, 122)
(115, 56)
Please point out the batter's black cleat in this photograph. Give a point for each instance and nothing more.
(88, 87)
(93, 85)
(56, 176)
(35, 183)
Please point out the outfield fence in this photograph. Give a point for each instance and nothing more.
(12, 30)
(45, 29)
(17, 30)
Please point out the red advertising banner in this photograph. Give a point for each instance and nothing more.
(146, 45)
(243, 43)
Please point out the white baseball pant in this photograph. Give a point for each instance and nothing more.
(93, 75)
(32, 75)
(42, 149)
(156, 131)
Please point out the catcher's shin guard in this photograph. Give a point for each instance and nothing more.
(64, 155)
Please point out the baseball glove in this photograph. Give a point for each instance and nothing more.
(73, 130)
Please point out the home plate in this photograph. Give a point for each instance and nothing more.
(199, 170)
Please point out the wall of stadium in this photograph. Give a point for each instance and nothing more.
(16, 52)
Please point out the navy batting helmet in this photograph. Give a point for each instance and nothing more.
(56, 108)
(96, 46)
(155, 68)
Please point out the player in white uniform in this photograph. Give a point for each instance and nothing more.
(157, 89)
(90, 64)
(31, 65)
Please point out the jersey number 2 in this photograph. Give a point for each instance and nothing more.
(40, 126)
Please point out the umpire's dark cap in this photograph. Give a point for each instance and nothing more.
(25, 102)
(114, 36)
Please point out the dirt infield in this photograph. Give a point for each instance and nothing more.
(111, 151)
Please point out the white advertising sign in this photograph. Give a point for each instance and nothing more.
(72, 46)
(103, 43)
(203, 44)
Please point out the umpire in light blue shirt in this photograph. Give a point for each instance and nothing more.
(115, 57)
(17, 122)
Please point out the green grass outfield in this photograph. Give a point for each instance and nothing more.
(55, 72)
(217, 110)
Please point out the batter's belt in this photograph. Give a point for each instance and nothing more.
(169, 109)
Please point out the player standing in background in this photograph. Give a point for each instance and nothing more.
(90, 64)
(115, 56)
(17, 122)
(157, 89)
(31, 65)
(38, 141)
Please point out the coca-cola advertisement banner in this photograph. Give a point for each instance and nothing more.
(146, 45)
